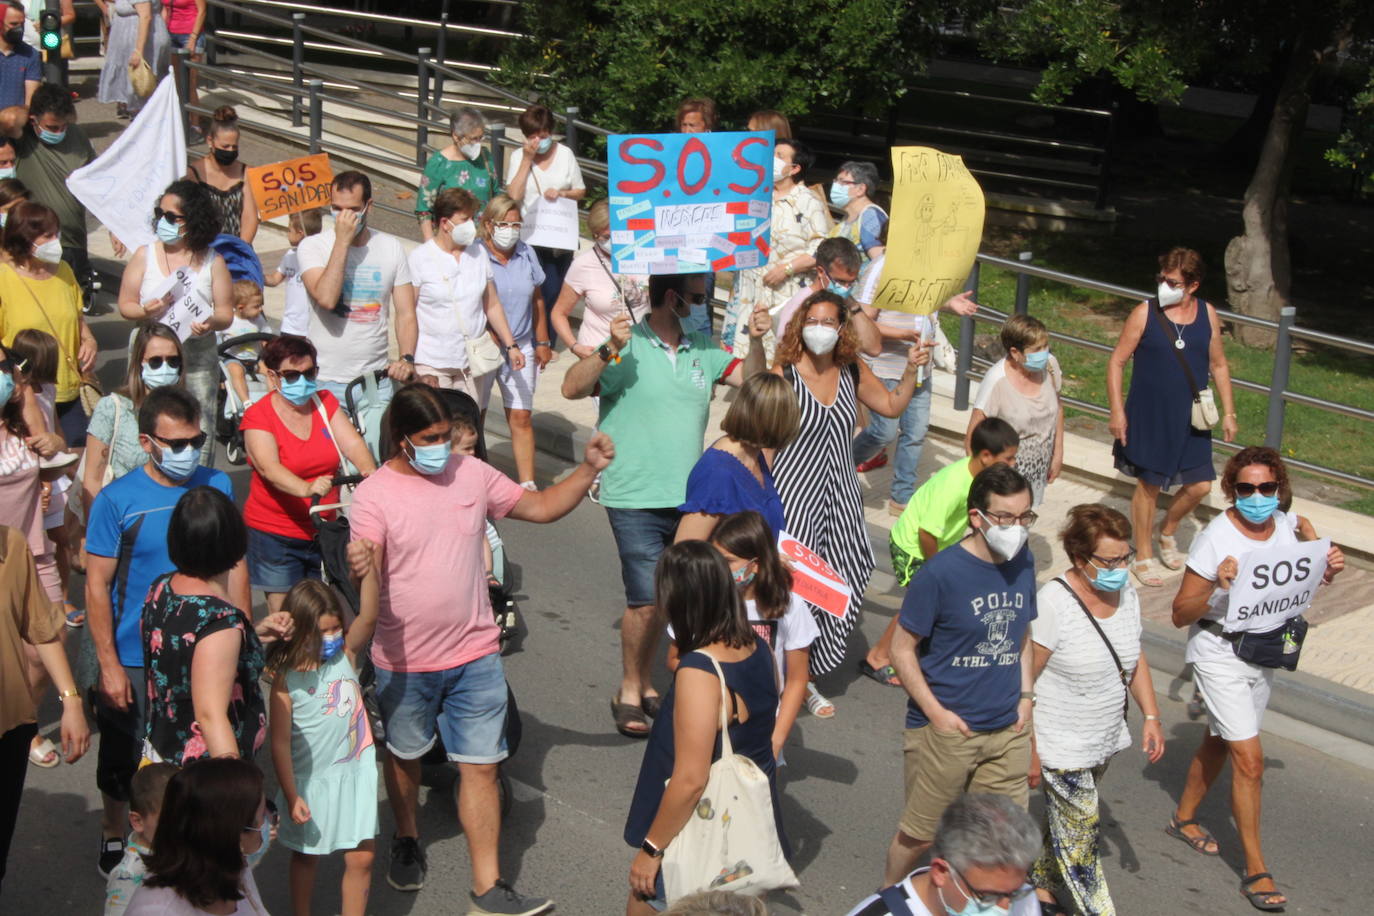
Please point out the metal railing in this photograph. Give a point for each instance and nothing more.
(1276, 390)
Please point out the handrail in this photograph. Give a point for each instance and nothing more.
(381, 17)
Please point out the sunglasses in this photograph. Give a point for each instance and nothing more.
(171, 216)
(987, 900)
(177, 445)
(294, 375)
(1268, 488)
(1172, 284)
(155, 362)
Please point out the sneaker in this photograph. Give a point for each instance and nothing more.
(502, 900)
(408, 866)
(872, 464)
(530, 485)
(111, 854)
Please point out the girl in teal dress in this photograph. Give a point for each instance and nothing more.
(322, 745)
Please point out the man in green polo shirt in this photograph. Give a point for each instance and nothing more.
(655, 384)
(935, 518)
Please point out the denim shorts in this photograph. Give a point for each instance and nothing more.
(641, 536)
(468, 703)
(180, 41)
(72, 419)
(277, 562)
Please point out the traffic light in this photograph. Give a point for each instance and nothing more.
(50, 30)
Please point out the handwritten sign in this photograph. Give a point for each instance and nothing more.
(703, 200)
(188, 306)
(291, 185)
(1275, 584)
(937, 223)
(812, 578)
(551, 224)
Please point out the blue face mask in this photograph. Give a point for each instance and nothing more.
(1110, 580)
(7, 172)
(330, 646)
(840, 289)
(160, 377)
(167, 231)
(1257, 507)
(744, 576)
(839, 194)
(52, 138)
(429, 459)
(1036, 362)
(6, 388)
(178, 466)
(265, 831)
(545, 145)
(299, 391)
(971, 907)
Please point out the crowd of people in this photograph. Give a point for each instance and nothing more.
(1008, 684)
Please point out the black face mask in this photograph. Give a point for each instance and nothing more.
(14, 36)
(225, 156)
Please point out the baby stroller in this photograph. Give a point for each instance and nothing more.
(364, 406)
(243, 350)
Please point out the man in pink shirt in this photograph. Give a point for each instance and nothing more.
(437, 645)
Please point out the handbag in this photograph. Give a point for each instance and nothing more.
(89, 389)
(1277, 648)
(141, 79)
(1120, 669)
(730, 841)
(1204, 414)
(484, 356)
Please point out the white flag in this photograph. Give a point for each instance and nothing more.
(124, 184)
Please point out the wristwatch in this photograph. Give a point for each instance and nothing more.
(650, 850)
(68, 694)
(605, 352)
(408, 357)
(512, 346)
(544, 343)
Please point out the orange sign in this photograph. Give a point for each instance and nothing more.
(813, 579)
(291, 185)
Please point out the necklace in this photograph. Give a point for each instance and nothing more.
(1179, 343)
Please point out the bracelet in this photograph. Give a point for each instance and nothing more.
(788, 265)
(1152, 719)
(69, 694)
(1231, 415)
(544, 343)
(512, 346)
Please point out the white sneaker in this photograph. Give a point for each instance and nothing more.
(530, 485)
(60, 460)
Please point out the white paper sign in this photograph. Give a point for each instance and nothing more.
(813, 579)
(188, 305)
(1275, 584)
(124, 184)
(690, 219)
(551, 224)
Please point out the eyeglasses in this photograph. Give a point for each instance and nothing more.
(507, 225)
(988, 899)
(1114, 562)
(293, 375)
(170, 215)
(845, 181)
(178, 445)
(1268, 488)
(1171, 283)
(822, 322)
(1025, 519)
(271, 816)
(155, 362)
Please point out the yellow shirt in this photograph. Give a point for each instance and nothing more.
(52, 306)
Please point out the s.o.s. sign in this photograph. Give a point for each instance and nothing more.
(1275, 584)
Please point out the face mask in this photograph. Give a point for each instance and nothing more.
(779, 169)
(160, 377)
(5, 216)
(6, 388)
(471, 150)
(52, 138)
(544, 145)
(1109, 580)
(819, 339)
(299, 391)
(168, 232)
(463, 233)
(6, 172)
(429, 459)
(840, 289)
(50, 252)
(1257, 507)
(1004, 541)
(505, 237)
(1036, 362)
(178, 466)
(265, 831)
(839, 194)
(225, 156)
(1169, 296)
(330, 646)
(604, 246)
(14, 36)
(744, 576)
(971, 907)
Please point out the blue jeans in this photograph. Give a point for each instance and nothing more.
(911, 426)
(641, 536)
(465, 705)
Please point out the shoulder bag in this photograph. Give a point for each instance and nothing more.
(75, 497)
(1204, 415)
(730, 842)
(89, 389)
(1116, 659)
(484, 356)
(1277, 648)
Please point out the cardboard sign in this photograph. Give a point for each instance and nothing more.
(291, 185)
(188, 305)
(937, 224)
(1275, 584)
(690, 203)
(551, 224)
(812, 578)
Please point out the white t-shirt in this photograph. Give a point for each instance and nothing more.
(1078, 720)
(563, 174)
(349, 345)
(240, 326)
(164, 901)
(1219, 540)
(296, 318)
(891, 362)
(446, 286)
(873, 905)
(795, 629)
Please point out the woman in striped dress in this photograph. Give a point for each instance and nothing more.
(819, 357)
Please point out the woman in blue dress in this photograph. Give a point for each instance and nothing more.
(733, 474)
(1155, 441)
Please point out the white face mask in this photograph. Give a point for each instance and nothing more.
(779, 169)
(50, 252)
(1168, 295)
(463, 233)
(604, 245)
(819, 339)
(505, 237)
(1005, 541)
(470, 150)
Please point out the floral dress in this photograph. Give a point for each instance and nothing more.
(172, 625)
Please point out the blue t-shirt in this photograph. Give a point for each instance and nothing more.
(720, 484)
(18, 67)
(516, 280)
(128, 523)
(971, 617)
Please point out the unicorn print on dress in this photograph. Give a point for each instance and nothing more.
(345, 699)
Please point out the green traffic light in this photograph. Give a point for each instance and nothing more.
(51, 40)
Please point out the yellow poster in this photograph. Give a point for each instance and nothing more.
(937, 224)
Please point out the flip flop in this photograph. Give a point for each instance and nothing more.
(75, 618)
(1260, 899)
(627, 714)
(651, 705)
(886, 675)
(38, 756)
(1199, 843)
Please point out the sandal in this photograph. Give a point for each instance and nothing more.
(1260, 900)
(44, 754)
(818, 705)
(75, 617)
(1169, 554)
(886, 675)
(651, 705)
(627, 714)
(1199, 843)
(1147, 573)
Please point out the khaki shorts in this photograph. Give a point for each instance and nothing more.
(478, 388)
(939, 767)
